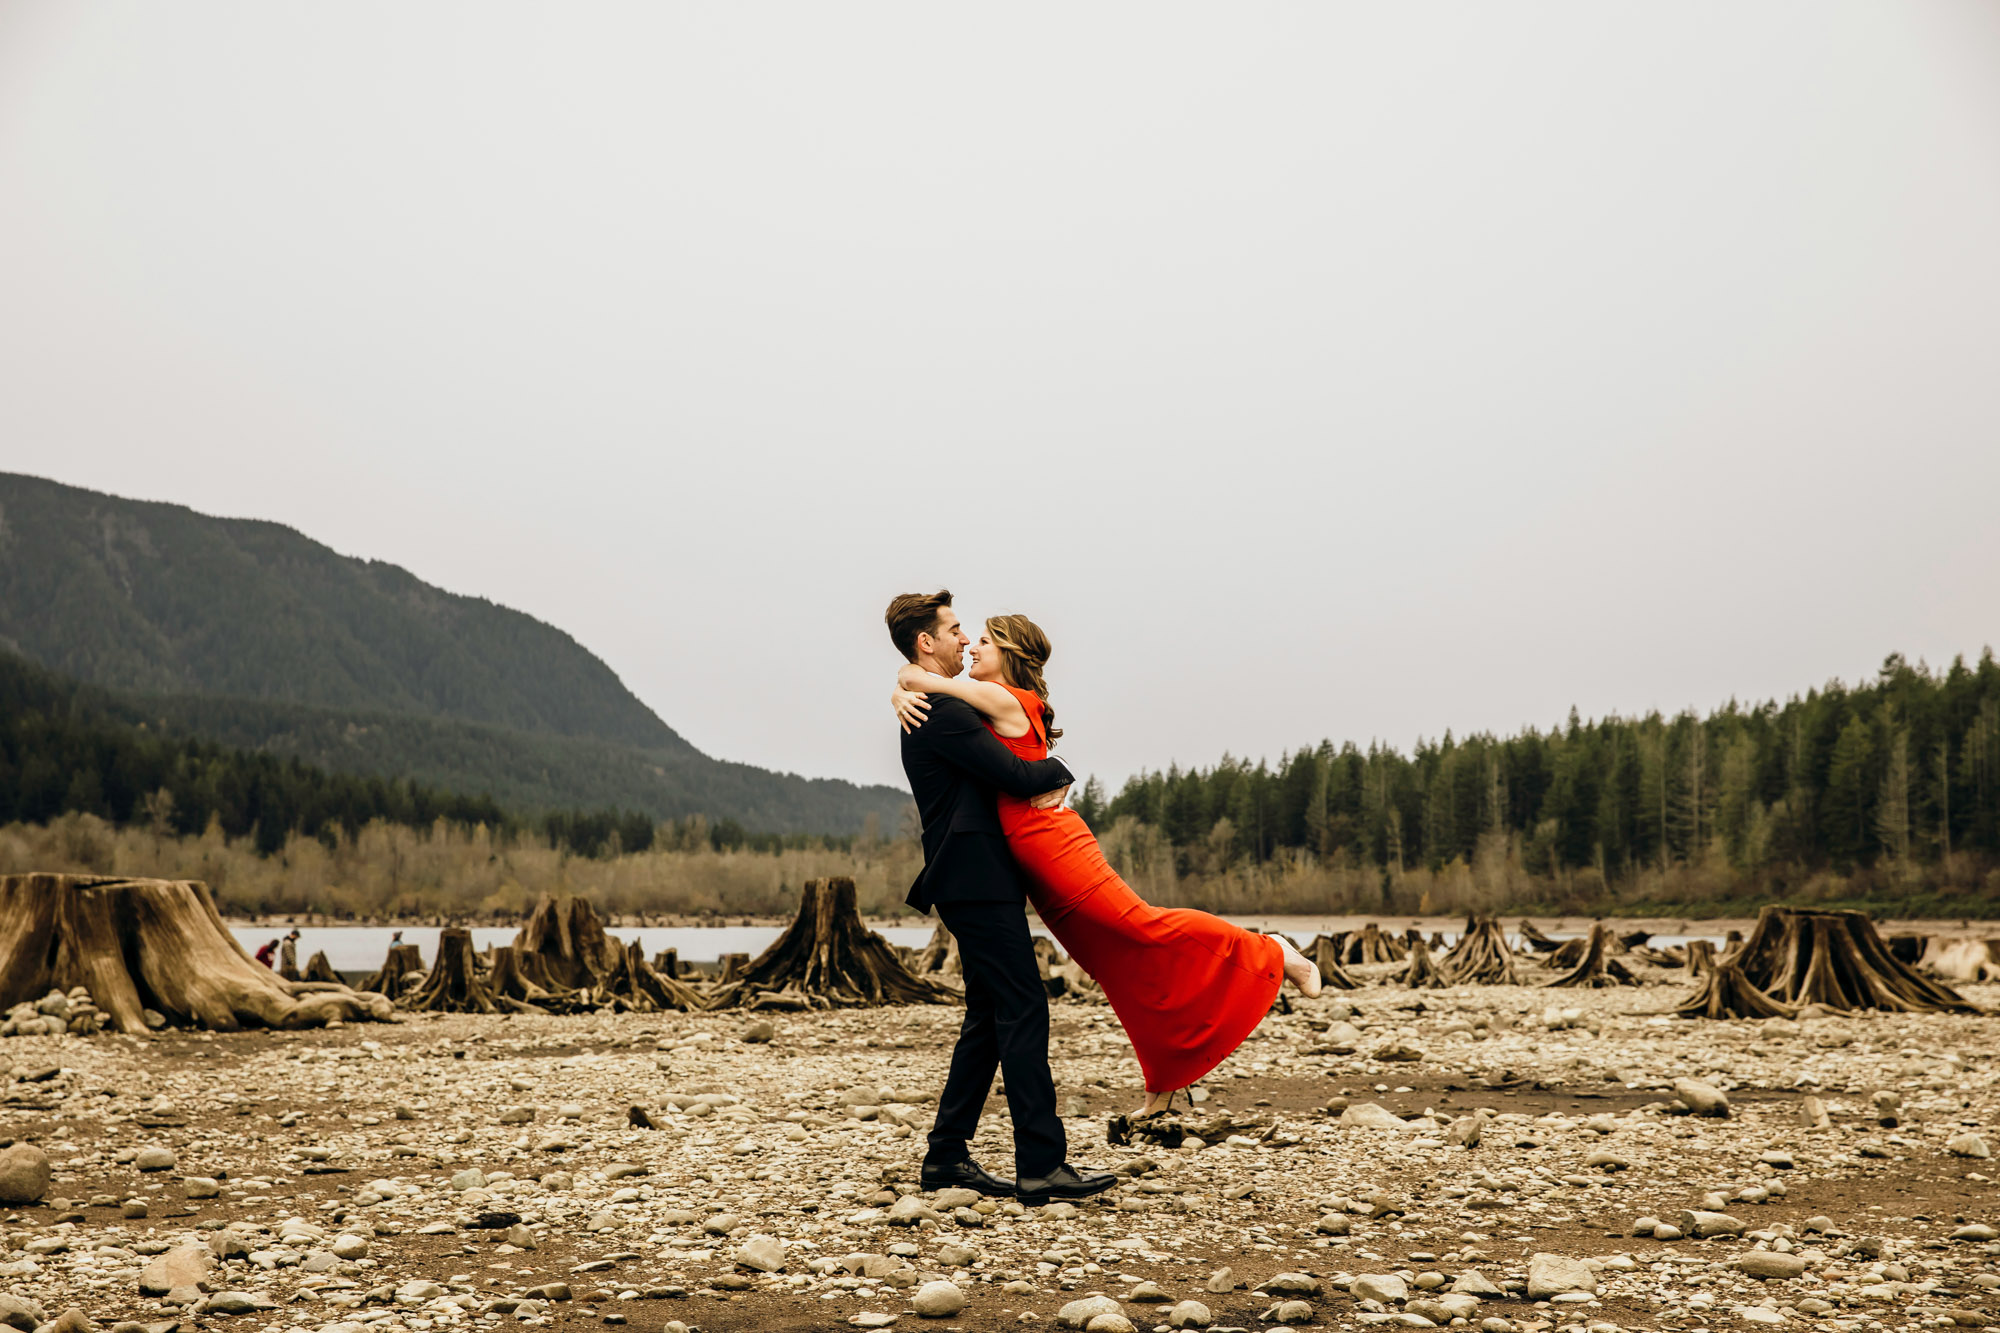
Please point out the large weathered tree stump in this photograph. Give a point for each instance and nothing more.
(826, 958)
(1726, 993)
(1838, 960)
(1482, 956)
(393, 978)
(563, 945)
(1371, 946)
(1597, 967)
(139, 944)
(1700, 956)
(633, 983)
(454, 985)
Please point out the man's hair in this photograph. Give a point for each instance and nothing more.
(912, 614)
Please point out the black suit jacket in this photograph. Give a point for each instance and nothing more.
(955, 765)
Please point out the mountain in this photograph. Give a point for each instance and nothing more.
(252, 634)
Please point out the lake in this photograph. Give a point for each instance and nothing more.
(362, 948)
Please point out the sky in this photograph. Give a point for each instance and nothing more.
(1358, 371)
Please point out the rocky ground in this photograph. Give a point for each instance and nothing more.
(1467, 1157)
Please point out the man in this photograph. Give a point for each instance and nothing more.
(288, 957)
(969, 877)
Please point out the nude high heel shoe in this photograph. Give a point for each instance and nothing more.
(1299, 970)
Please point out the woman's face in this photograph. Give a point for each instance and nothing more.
(986, 660)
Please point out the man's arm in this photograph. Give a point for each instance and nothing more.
(954, 732)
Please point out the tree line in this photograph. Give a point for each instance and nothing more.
(1893, 776)
(71, 748)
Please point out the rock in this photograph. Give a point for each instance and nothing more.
(1290, 1284)
(1777, 1159)
(22, 1312)
(764, 1030)
(1472, 1282)
(1384, 1287)
(73, 1320)
(1666, 1231)
(231, 1302)
(1701, 1098)
(134, 1209)
(866, 1319)
(951, 1256)
(1967, 1145)
(1110, 1323)
(200, 1187)
(910, 1210)
(156, 1159)
(1758, 1314)
(762, 1253)
(1148, 1293)
(349, 1246)
(469, 1179)
(1220, 1281)
(1608, 1160)
(1464, 1132)
(1702, 1224)
(1078, 1314)
(1334, 1224)
(24, 1174)
(1645, 1226)
(1371, 1115)
(1554, 1274)
(938, 1300)
(955, 1198)
(549, 1291)
(1975, 1231)
(1770, 1264)
(1289, 1312)
(1398, 1052)
(1189, 1314)
(183, 1266)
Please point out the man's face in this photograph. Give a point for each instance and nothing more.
(945, 645)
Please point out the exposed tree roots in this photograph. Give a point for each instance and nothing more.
(1481, 956)
(454, 985)
(1726, 993)
(318, 969)
(140, 944)
(1837, 959)
(1325, 953)
(393, 978)
(828, 959)
(1422, 972)
(1596, 966)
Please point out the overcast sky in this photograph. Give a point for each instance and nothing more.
(1306, 370)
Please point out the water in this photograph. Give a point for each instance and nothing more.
(362, 948)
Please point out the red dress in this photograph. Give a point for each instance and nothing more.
(1187, 985)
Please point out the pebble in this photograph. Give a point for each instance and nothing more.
(1771, 1264)
(1701, 1098)
(1190, 1314)
(1079, 1313)
(938, 1300)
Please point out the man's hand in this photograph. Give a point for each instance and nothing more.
(1049, 800)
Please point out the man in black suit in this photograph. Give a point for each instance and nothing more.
(970, 879)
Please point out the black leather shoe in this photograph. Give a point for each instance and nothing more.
(965, 1175)
(1065, 1182)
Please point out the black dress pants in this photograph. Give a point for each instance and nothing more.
(1006, 1028)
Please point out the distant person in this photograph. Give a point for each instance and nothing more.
(1187, 985)
(955, 765)
(395, 939)
(288, 957)
(265, 954)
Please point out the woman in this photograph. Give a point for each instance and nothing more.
(1188, 986)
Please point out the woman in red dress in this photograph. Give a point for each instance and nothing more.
(1187, 985)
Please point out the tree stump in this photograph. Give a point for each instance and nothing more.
(1597, 967)
(1726, 993)
(563, 945)
(1700, 957)
(1481, 956)
(1325, 951)
(1372, 946)
(667, 962)
(318, 969)
(1422, 972)
(393, 978)
(1838, 960)
(941, 954)
(454, 985)
(827, 959)
(634, 984)
(139, 944)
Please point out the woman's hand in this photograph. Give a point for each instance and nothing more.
(910, 676)
(910, 707)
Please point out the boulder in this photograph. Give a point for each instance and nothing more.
(183, 1266)
(24, 1174)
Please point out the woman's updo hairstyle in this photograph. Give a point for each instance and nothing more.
(1024, 651)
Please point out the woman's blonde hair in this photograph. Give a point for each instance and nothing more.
(1024, 651)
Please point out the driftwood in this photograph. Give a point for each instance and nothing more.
(150, 944)
(1325, 953)
(454, 985)
(1961, 959)
(1535, 940)
(318, 969)
(1726, 993)
(1481, 956)
(1838, 960)
(1422, 972)
(828, 959)
(1597, 967)
(1173, 1129)
(393, 977)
